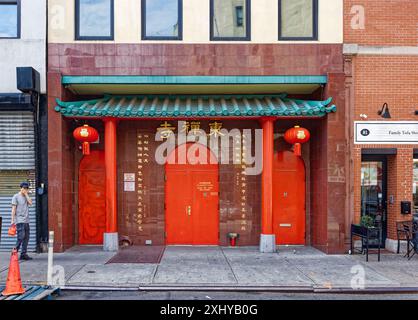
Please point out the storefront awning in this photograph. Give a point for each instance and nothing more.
(161, 106)
(192, 85)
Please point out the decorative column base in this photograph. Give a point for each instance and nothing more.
(268, 243)
(110, 241)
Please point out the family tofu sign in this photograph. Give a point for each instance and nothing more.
(388, 132)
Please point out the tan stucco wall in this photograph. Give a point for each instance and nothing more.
(264, 21)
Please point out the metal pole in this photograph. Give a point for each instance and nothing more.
(50, 257)
(35, 100)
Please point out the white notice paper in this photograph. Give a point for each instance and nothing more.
(129, 186)
(129, 177)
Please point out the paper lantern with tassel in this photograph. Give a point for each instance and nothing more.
(86, 135)
(297, 136)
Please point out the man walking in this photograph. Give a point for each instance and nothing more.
(20, 216)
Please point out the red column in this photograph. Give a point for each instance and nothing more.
(267, 177)
(111, 182)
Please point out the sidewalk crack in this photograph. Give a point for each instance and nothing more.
(154, 273)
(303, 273)
(227, 261)
(74, 273)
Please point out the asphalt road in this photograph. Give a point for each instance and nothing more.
(208, 296)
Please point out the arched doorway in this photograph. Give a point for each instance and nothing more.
(192, 198)
(289, 192)
(92, 198)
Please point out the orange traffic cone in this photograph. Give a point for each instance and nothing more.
(14, 283)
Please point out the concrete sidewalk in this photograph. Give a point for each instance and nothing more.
(183, 267)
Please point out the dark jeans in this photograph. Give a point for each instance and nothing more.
(415, 242)
(23, 233)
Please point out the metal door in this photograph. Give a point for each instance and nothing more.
(9, 186)
(17, 164)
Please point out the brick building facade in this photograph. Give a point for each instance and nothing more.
(381, 65)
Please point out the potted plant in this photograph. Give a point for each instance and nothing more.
(367, 221)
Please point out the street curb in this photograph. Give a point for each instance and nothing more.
(341, 290)
(376, 290)
(229, 288)
(192, 288)
(103, 288)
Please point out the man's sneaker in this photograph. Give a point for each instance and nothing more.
(25, 257)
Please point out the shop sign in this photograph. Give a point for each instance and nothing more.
(385, 132)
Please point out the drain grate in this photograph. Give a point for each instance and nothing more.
(138, 254)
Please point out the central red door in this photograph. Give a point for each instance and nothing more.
(289, 198)
(192, 197)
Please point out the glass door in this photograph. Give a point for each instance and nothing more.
(373, 192)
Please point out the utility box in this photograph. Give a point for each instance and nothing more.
(405, 207)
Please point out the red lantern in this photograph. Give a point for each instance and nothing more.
(86, 135)
(297, 136)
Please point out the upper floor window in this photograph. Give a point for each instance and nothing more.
(298, 19)
(9, 19)
(94, 19)
(230, 19)
(162, 20)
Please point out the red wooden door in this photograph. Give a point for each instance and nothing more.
(192, 197)
(289, 213)
(205, 205)
(179, 227)
(92, 199)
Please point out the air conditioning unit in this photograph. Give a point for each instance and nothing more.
(28, 79)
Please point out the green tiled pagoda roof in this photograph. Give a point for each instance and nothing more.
(156, 106)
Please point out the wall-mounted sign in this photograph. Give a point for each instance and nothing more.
(385, 132)
(205, 186)
(129, 186)
(129, 177)
(129, 182)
